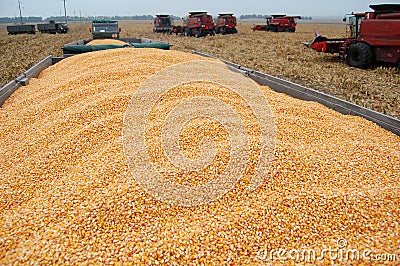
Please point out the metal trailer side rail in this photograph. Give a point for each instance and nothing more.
(23, 79)
(304, 93)
(7, 90)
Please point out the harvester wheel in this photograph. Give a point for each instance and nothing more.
(197, 34)
(359, 55)
(187, 32)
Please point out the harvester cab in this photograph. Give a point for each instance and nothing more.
(105, 29)
(353, 23)
(198, 24)
(271, 17)
(226, 23)
(163, 24)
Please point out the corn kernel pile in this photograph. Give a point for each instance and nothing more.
(106, 41)
(67, 194)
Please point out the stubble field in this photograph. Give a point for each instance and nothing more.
(278, 54)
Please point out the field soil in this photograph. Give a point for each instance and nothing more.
(278, 54)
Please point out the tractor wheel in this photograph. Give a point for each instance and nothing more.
(197, 34)
(288, 30)
(359, 55)
(217, 30)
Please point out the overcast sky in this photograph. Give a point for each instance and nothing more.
(46, 8)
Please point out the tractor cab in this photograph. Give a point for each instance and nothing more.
(103, 29)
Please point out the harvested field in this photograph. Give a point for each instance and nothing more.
(279, 54)
(67, 195)
(20, 52)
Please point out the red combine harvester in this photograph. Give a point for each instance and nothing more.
(199, 24)
(163, 24)
(373, 36)
(226, 24)
(278, 23)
